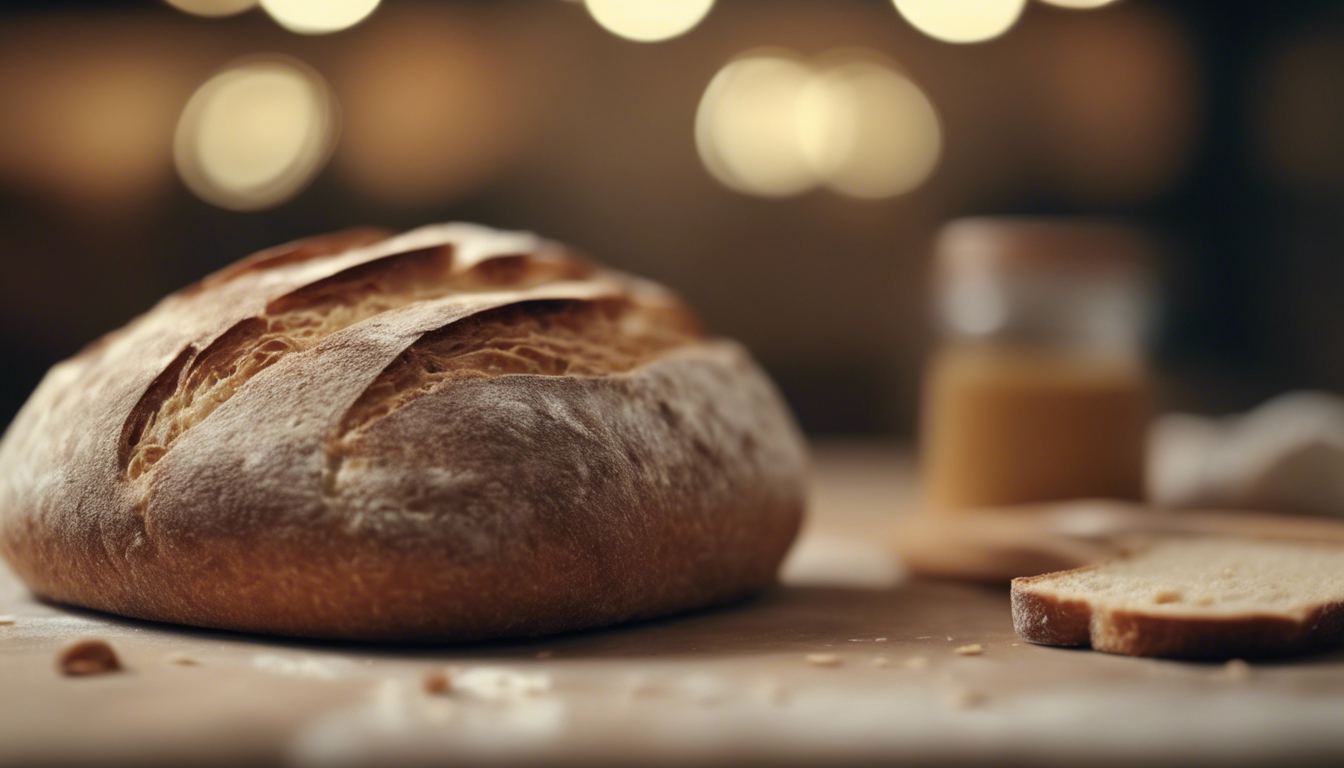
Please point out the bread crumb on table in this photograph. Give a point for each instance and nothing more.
(917, 663)
(964, 698)
(87, 657)
(881, 661)
(439, 681)
(181, 660)
(1237, 669)
(823, 659)
(6, 620)
(974, 649)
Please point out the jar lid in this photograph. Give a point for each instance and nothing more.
(1078, 247)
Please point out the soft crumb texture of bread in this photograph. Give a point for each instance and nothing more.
(1214, 577)
(446, 435)
(546, 338)
(301, 320)
(1197, 597)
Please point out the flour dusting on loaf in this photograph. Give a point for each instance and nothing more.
(450, 434)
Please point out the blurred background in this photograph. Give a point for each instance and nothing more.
(784, 164)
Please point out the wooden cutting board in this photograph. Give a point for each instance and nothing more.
(996, 545)
(848, 661)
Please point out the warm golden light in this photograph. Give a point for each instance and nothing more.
(88, 124)
(318, 17)
(255, 134)
(747, 126)
(1126, 141)
(213, 8)
(772, 124)
(648, 20)
(879, 134)
(1080, 4)
(961, 21)
(433, 107)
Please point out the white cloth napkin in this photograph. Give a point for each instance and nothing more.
(1286, 455)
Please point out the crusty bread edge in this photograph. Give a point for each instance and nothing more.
(1047, 620)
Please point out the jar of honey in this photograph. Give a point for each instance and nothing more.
(1039, 390)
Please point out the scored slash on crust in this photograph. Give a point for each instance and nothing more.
(331, 441)
(520, 337)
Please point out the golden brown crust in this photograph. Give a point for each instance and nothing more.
(453, 434)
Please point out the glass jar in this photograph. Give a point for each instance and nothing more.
(1039, 389)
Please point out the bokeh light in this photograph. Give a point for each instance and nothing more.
(213, 8)
(773, 124)
(1080, 4)
(318, 17)
(961, 21)
(878, 134)
(747, 126)
(648, 20)
(255, 134)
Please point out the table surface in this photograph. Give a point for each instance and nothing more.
(733, 685)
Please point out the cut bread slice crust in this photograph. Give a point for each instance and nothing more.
(1195, 598)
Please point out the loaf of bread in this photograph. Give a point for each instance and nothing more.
(1200, 597)
(451, 434)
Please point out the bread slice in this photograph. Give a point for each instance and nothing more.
(1209, 598)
